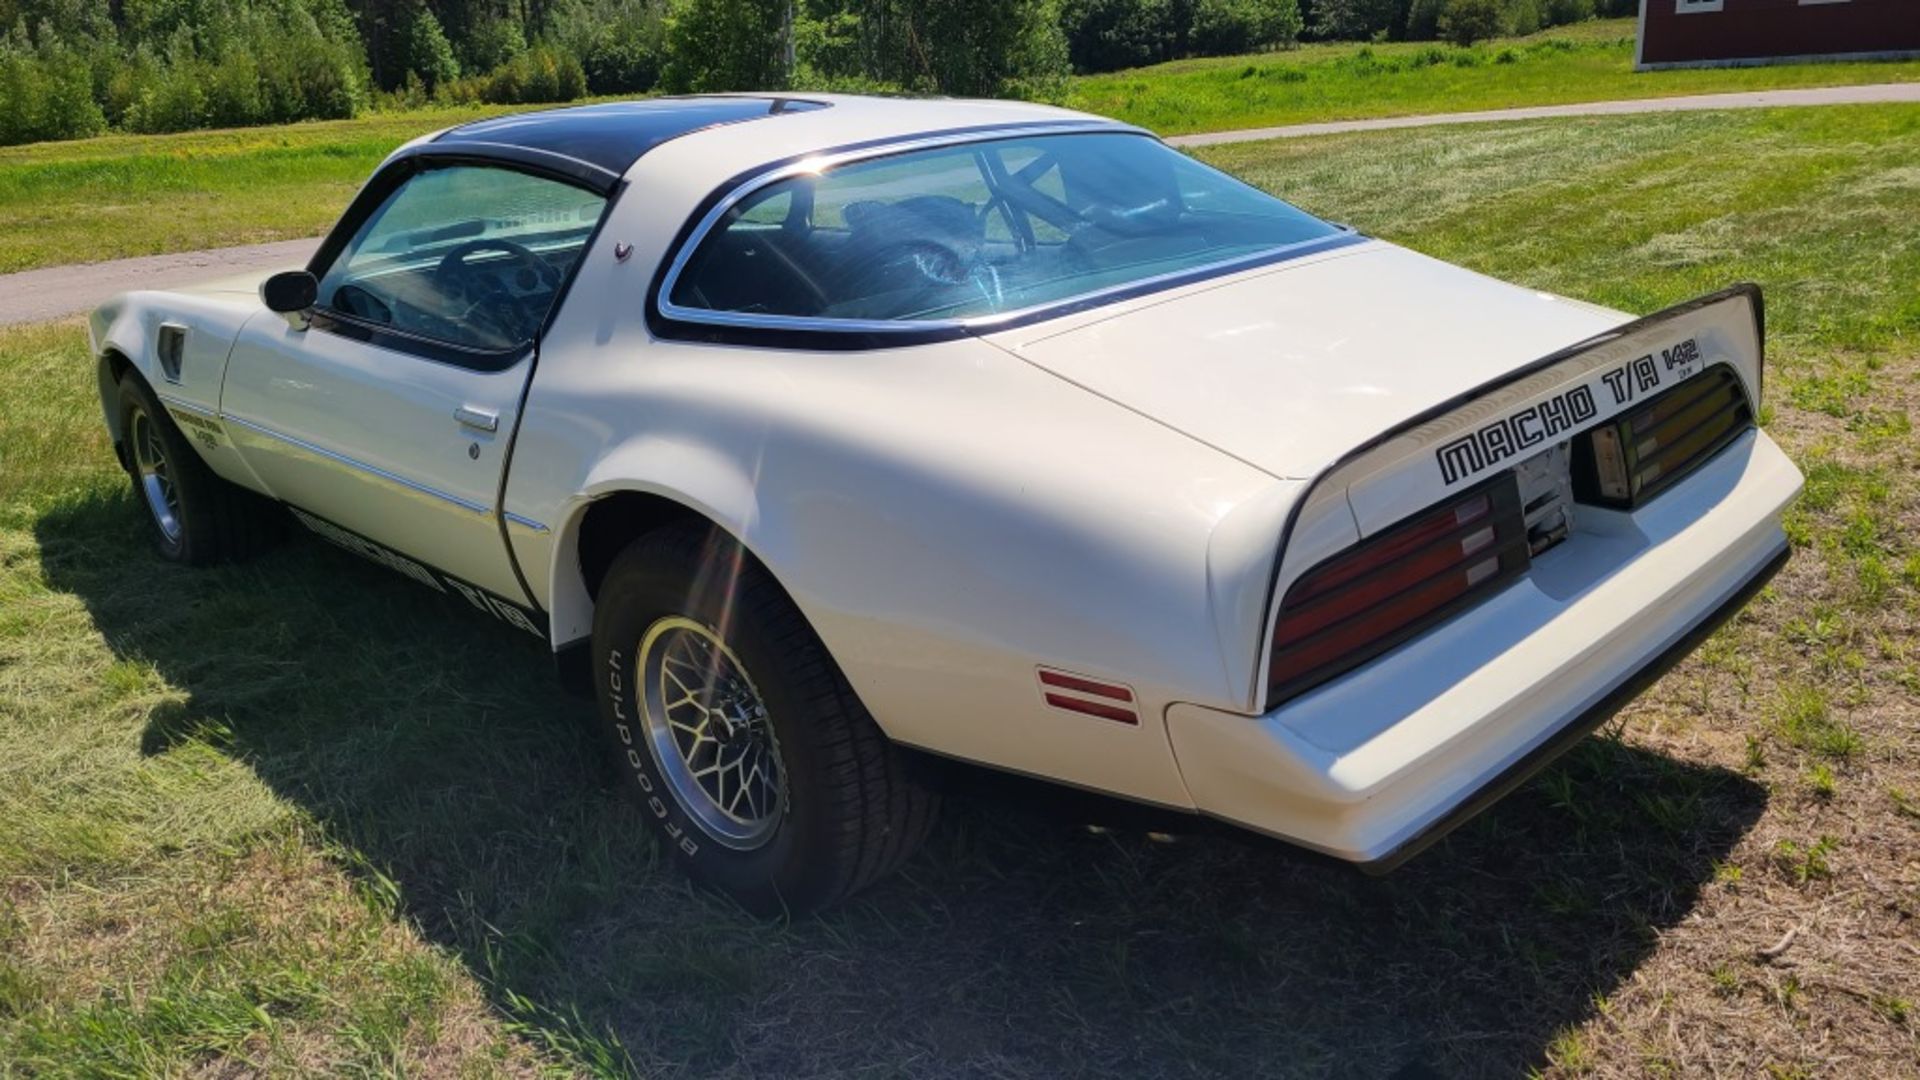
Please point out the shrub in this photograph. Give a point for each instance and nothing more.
(1358, 20)
(1108, 35)
(45, 93)
(540, 74)
(724, 45)
(1224, 27)
(1523, 17)
(1464, 22)
(621, 44)
(174, 100)
(1562, 12)
(1423, 19)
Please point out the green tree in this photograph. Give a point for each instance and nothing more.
(1107, 35)
(983, 48)
(726, 45)
(621, 44)
(1224, 27)
(1464, 22)
(1562, 12)
(1358, 20)
(429, 54)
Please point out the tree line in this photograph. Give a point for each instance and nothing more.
(73, 68)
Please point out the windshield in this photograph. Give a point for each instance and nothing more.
(977, 229)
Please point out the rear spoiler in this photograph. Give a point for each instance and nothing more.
(1422, 459)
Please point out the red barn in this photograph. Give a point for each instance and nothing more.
(1701, 33)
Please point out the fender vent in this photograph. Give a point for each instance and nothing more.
(170, 348)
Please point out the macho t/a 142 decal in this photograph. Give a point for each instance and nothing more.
(1508, 437)
(815, 425)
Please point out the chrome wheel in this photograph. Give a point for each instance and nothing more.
(709, 735)
(154, 475)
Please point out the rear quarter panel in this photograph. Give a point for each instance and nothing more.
(947, 517)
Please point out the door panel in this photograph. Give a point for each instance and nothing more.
(389, 410)
(368, 438)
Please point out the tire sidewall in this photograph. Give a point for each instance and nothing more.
(655, 582)
(135, 397)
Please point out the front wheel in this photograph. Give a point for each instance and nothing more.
(737, 734)
(195, 517)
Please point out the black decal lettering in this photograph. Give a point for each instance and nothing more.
(1459, 458)
(513, 616)
(1616, 381)
(472, 594)
(1580, 404)
(1496, 441)
(1553, 416)
(1522, 433)
(1682, 355)
(1645, 375)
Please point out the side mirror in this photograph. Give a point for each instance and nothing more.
(290, 291)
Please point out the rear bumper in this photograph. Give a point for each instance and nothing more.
(1378, 764)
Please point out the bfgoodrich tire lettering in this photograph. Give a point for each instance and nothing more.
(845, 814)
(194, 516)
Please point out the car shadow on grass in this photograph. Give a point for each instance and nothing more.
(437, 750)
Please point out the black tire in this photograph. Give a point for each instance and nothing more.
(851, 813)
(211, 521)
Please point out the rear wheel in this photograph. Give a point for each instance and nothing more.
(738, 735)
(196, 517)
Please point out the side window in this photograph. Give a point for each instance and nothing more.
(468, 255)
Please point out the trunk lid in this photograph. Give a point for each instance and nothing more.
(1289, 367)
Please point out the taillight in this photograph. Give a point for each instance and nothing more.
(1395, 584)
(1624, 461)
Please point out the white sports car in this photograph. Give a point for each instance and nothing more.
(813, 432)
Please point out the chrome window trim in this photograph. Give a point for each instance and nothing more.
(820, 163)
(354, 463)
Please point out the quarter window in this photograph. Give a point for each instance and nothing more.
(975, 229)
(472, 256)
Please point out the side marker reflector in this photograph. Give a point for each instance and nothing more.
(1089, 697)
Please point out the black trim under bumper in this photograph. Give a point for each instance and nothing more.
(1582, 725)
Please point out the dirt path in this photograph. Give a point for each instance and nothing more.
(55, 291)
(1752, 99)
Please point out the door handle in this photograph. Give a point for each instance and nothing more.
(477, 418)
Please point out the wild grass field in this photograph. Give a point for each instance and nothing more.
(126, 195)
(300, 817)
(1590, 61)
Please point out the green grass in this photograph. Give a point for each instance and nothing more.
(128, 195)
(1584, 62)
(299, 816)
(125, 195)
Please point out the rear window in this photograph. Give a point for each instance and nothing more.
(977, 229)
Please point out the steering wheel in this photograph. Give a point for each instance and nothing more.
(484, 294)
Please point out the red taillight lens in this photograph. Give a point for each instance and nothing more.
(1391, 586)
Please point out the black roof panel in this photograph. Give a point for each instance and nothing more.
(611, 136)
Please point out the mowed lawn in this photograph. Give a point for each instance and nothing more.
(128, 195)
(300, 816)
